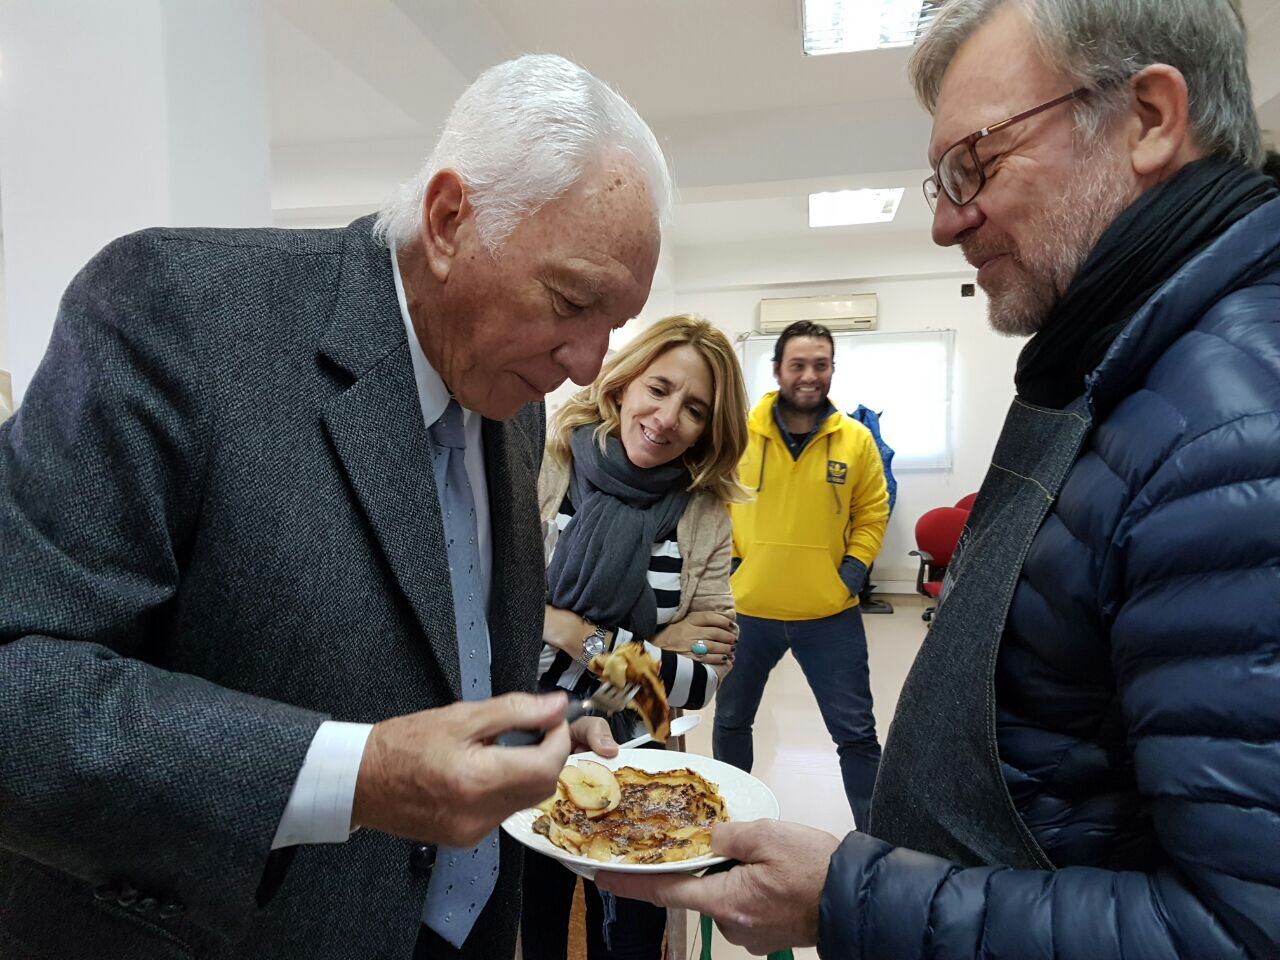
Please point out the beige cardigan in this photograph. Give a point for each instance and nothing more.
(704, 535)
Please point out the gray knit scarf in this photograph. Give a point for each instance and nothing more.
(600, 566)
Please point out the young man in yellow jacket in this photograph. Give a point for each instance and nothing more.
(804, 544)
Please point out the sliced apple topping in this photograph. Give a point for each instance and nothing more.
(591, 787)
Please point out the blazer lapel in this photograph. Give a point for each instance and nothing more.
(377, 432)
(513, 453)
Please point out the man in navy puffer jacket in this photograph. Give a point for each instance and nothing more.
(1085, 761)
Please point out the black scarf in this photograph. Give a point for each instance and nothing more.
(601, 562)
(1138, 252)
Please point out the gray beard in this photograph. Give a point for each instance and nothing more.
(1059, 246)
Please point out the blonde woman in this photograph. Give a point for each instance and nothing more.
(633, 490)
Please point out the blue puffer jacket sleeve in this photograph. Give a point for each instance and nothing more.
(885, 903)
(1193, 584)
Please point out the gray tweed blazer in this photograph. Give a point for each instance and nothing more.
(219, 527)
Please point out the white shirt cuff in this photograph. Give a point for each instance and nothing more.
(319, 808)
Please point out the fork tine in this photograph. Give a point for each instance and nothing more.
(611, 699)
(627, 694)
(607, 697)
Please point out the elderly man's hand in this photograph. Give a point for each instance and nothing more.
(436, 776)
(769, 903)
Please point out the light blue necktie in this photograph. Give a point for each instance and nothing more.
(462, 880)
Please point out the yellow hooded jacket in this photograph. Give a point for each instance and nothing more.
(807, 515)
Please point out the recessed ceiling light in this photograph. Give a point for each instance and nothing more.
(844, 207)
(843, 26)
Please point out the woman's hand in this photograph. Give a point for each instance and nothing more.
(565, 630)
(718, 632)
(592, 734)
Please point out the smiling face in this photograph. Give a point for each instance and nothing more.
(665, 410)
(506, 329)
(1046, 201)
(804, 373)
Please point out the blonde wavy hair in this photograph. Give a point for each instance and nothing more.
(713, 460)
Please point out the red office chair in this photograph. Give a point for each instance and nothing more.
(937, 533)
(966, 503)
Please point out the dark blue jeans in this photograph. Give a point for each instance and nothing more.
(832, 652)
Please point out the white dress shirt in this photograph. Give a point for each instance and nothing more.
(319, 806)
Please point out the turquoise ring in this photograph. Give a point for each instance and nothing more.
(699, 648)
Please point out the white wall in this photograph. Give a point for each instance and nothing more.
(218, 133)
(4, 318)
(6, 388)
(110, 120)
(919, 288)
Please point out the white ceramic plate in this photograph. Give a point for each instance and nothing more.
(745, 797)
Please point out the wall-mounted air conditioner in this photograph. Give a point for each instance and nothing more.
(850, 311)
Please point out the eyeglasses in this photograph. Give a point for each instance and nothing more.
(960, 173)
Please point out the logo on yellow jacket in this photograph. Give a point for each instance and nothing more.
(837, 471)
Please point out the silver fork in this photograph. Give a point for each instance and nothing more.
(608, 700)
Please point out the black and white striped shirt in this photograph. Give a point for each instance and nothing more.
(689, 684)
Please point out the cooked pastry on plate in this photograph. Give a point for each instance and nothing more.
(631, 816)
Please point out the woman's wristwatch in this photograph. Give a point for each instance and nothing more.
(593, 644)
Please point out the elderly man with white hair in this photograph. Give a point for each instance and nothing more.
(273, 559)
(1085, 759)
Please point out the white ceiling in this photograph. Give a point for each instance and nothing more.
(358, 90)
(681, 59)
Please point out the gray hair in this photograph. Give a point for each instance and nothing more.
(1097, 42)
(520, 136)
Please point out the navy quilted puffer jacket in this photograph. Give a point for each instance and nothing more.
(1138, 682)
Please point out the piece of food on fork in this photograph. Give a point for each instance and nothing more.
(630, 679)
(630, 665)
